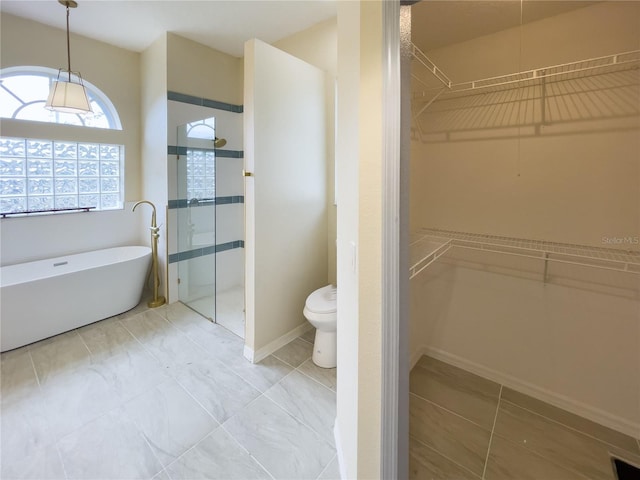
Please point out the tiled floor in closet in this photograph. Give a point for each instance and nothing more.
(164, 394)
(466, 427)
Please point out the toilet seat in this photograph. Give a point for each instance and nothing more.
(322, 300)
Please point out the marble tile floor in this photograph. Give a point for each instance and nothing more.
(463, 426)
(226, 306)
(164, 394)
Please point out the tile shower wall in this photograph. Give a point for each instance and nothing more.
(228, 253)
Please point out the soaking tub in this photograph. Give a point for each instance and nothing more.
(47, 297)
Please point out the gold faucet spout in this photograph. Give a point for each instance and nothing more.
(153, 215)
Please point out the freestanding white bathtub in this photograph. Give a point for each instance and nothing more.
(47, 297)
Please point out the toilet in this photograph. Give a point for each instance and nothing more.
(320, 310)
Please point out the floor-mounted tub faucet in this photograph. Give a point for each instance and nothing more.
(156, 301)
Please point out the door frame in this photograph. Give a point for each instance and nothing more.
(394, 446)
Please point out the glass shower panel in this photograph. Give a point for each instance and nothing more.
(197, 216)
(230, 243)
(210, 225)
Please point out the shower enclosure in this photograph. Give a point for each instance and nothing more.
(210, 226)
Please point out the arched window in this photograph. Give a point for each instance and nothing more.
(43, 175)
(203, 129)
(24, 92)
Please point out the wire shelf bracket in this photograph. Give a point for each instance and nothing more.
(429, 65)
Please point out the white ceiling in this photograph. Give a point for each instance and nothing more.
(221, 24)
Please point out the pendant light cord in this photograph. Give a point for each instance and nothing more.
(68, 47)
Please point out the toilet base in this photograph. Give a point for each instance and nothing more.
(324, 349)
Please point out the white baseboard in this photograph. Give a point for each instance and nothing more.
(248, 353)
(264, 352)
(586, 411)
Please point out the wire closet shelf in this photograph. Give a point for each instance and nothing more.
(564, 71)
(428, 245)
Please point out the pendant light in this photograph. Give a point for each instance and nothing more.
(67, 93)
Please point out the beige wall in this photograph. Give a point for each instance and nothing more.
(347, 159)
(154, 142)
(370, 279)
(318, 45)
(198, 70)
(359, 165)
(494, 168)
(286, 220)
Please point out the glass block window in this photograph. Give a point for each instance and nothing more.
(41, 175)
(201, 179)
(24, 92)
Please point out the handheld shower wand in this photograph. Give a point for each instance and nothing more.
(156, 301)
